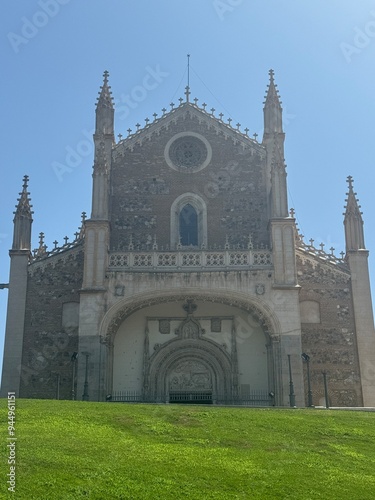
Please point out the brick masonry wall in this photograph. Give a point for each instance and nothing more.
(144, 187)
(331, 344)
(48, 347)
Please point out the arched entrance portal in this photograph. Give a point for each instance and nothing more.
(191, 351)
(190, 381)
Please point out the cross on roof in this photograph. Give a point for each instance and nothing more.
(292, 212)
(255, 136)
(187, 93)
(55, 243)
(66, 239)
(190, 307)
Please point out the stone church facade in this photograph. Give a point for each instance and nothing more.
(190, 282)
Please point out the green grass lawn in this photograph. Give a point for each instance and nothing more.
(73, 450)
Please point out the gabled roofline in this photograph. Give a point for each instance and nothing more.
(229, 132)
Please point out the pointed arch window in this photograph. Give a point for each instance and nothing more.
(189, 221)
(188, 225)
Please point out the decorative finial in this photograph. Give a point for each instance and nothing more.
(292, 212)
(105, 76)
(25, 182)
(349, 180)
(226, 244)
(272, 74)
(187, 93)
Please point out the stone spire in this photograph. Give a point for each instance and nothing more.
(105, 94)
(353, 222)
(273, 122)
(105, 109)
(23, 220)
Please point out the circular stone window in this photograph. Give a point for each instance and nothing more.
(188, 152)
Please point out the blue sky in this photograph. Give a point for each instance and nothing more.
(54, 52)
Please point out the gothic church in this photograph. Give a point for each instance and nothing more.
(190, 282)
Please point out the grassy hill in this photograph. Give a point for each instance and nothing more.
(73, 450)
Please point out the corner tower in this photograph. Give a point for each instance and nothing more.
(357, 258)
(19, 259)
(97, 231)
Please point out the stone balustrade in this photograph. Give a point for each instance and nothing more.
(201, 260)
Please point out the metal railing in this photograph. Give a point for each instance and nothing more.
(253, 398)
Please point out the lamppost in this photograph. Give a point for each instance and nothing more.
(326, 389)
(306, 358)
(85, 395)
(73, 360)
(292, 397)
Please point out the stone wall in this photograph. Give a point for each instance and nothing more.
(328, 333)
(144, 186)
(51, 326)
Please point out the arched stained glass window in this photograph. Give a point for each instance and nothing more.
(188, 226)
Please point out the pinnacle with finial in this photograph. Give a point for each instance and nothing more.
(23, 208)
(105, 94)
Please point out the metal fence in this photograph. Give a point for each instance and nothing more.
(253, 398)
